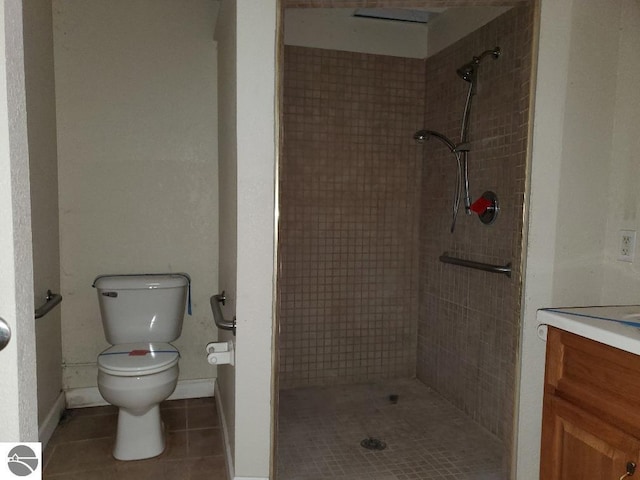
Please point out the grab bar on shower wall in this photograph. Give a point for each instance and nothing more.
(487, 267)
(221, 323)
(52, 300)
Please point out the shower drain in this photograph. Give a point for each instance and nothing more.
(373, 444)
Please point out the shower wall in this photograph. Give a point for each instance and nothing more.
(469, 320)
(349, 193)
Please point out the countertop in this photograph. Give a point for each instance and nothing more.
(615, 325)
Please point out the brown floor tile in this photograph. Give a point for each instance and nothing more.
(174, 419)
(81, 447)
(47, 454)
(147, 470)
(170, 404)
(208, 468)
(108, 473)
(176, 448)
(202, 417)
(86, 427)
(91, 411)
(205, 442)
(201, 402)
(79, 456)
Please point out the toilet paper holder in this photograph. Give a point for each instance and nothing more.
(220, 353)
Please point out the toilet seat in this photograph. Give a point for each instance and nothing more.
(137, 359)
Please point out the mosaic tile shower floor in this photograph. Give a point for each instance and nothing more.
(320, 430)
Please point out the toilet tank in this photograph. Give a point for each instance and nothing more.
(142, 308)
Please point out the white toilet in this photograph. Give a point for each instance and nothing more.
(140, 315)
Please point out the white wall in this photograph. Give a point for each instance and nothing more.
(337, 29)
(18, 401)
(137, 152)
(43, 167)
(256, 147)
(246, 36)
(586, 152)
(458, 22)
(621, 279)
(581, 156)
(228, 186)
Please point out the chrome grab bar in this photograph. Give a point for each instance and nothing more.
(221, 323)
(53, 299)
(487, 267)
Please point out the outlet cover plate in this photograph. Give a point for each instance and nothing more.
(627, 245)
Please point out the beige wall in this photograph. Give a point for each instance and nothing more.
(337, 29)
(18, 401)
(226, 32)
(43, 166)
(456, 23)
(137, 152)
(246, 36)
(586, 153)
(621, 279)
(256, 147)
(582, 150)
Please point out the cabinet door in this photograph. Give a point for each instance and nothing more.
(578, 446)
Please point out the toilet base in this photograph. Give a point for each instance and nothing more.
(139, 436)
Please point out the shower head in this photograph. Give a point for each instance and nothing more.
(468, 71)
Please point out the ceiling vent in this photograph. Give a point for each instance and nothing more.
(396, 14)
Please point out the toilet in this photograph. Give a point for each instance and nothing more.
(140, 314)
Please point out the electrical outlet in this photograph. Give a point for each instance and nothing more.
(627, 245)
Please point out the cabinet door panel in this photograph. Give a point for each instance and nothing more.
(577, 446)
(595, 377)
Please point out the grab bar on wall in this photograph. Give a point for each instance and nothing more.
(487, 267)
(52, 300)
(221, 323)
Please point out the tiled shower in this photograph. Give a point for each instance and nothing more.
(350, 188)
(366, 212)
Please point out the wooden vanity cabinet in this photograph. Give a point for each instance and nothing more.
(591, 417)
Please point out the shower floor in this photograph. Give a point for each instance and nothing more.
(320, 430)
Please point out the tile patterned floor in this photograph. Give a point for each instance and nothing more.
(81, 446)
(320, 430)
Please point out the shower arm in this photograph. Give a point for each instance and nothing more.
(422, 135)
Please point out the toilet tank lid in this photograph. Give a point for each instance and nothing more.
(141, 281)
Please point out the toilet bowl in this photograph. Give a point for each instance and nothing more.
(136, 378)
(140, 315)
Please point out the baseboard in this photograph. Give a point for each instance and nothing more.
(225, 433)
(84, 397)
(90, 396)
(45, 431)
(204, 387)
(250, 478)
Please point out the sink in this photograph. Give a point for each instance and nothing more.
(615, 325)
(628, 314)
